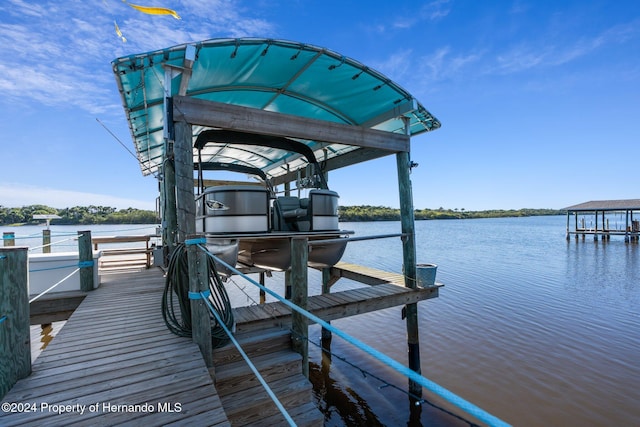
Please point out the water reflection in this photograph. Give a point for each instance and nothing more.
(350, 395)
(41, 336)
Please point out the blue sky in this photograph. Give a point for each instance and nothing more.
(539, 100)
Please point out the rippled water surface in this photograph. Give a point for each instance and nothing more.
(532, 328)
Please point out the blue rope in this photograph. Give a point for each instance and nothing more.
(437, 389)
(81, 264)
(3, 256)
(3, 318)
(198, 295)
(198, 241)
(251, 365)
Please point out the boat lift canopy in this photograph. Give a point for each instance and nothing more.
(278, 76)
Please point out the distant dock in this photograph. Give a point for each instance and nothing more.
(605, 218)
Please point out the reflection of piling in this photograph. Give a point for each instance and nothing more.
(15, 351)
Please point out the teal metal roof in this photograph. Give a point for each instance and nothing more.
(273, 75)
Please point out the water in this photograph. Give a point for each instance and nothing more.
(64, 237)
(532, 328)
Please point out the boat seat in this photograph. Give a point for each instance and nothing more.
(287, 212)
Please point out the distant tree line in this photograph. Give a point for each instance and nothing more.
(86, 215)
(83, 215)
(383, 213)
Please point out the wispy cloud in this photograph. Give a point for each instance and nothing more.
(542, 53)
(59, 53)
(18, 195)
(431, 11)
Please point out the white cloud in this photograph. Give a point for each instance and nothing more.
(18, 195)
(59, 54)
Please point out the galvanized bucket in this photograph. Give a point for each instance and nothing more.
(426, 274)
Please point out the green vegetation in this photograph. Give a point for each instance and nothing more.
(106, 215)
(77, 215)
(382, 213)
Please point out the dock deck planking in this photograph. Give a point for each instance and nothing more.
(116, 349)
(334, 305)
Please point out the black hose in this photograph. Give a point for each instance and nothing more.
(176, 307)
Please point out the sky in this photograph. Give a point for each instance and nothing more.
(539, 100)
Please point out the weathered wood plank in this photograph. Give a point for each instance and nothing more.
(125, 355)
(337, 305)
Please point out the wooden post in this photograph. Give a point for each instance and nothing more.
(200, 320)
(9, 238)
(186, 226)
(85, 260)
(287, 284)
(170, 216)
(403, 161)
(567, 236)
(46, 241)
(299, 323)
(15, 343)
(626, 226)
(326, 289)
(263, 294)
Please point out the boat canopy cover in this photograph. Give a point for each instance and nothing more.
(272, 75)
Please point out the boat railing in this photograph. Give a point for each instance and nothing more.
(429, 385)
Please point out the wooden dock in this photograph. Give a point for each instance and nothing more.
(387, 290)
(116, 350)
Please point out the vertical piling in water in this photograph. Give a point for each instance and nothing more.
(407, 221)
(326, 288)
(46, 241)
(85, 259)
(15, 343)
(299, 292)
(9, 238)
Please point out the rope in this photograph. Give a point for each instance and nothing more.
(176, 307)
(44, 292)
(437, 389)
(79, 265)
(3, 318)
(270, 392)
(50, 244)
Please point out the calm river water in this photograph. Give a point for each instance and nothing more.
(536, 330)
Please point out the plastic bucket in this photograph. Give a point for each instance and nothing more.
(426, 274)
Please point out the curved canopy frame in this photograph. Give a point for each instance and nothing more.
(276, 76)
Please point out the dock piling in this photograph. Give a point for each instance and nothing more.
(299, 292)
(15, 343)
(85, 259)
(9, 238)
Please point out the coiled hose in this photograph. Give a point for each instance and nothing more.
(176, 296)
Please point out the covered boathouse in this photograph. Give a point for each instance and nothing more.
(604, 218)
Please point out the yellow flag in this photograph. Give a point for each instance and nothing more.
(154, 10)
